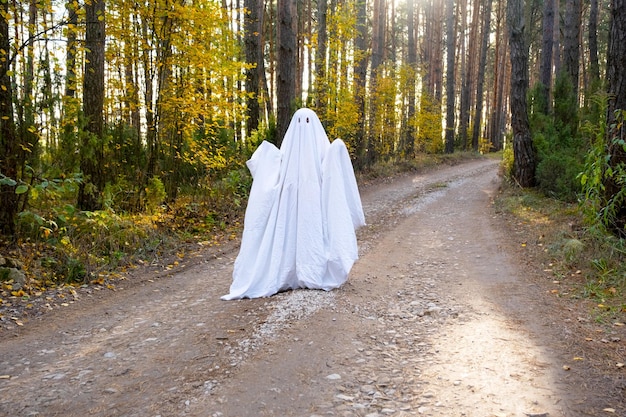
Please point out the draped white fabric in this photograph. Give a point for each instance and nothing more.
(303, 210)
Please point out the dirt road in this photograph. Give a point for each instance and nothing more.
(439, 318)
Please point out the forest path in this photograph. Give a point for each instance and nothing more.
(439, 318)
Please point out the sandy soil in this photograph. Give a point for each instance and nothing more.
(448, 312)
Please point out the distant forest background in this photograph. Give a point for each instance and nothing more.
(114, 108)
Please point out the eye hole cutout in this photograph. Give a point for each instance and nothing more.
(307, 120)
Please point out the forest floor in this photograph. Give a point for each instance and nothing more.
(451, 310)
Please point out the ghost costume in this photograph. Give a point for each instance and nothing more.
(303, 210)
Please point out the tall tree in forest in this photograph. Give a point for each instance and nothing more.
(467, 81)
(409, 139)
(556, 41)
(320, 56)
(450, 93)
(524, 159)
(253, 30)
(501, 75)
(286, 65)
(91, 151)
(378, 48)
(545, 69)
(25, 105)
(615, 175)
(71, 49)
(594, 66)
(480, 79)
(571, 42)
(66, 159)
(360, 77)
(8, 139)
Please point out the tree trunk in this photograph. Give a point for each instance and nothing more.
(93, 103)
(286, 66)
(450, 93)
(468, 77)
(378, 46)
(8, 138)
(556, 44)
(437, 51)
(594, 66)
(500, 74)
(320, 56)
(253, 43)
(545, 70)
(523, 149)
(70, 57)
(616, 133)
(360, 74)
(409, 139)
(481, 74)
(571, 42)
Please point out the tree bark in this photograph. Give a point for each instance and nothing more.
(360, 74)
(70, 57)
(450, 93)
(571, 41)
(320, 56)
(409, 139)
(8, 138)
(286, 66)
(480, 79)
(93, 104)
(545, 68)
(253, 42)
(523, 149)
(500, 74)
(616, 133)
(378, 46)
(594, 66)
(467, 82)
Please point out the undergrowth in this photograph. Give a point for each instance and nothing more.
(583, 260)
(59, 245)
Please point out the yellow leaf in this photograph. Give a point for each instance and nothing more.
(578, 358)
(5, 376)
(609, 410)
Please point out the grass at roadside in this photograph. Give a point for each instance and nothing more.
(582, 261)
